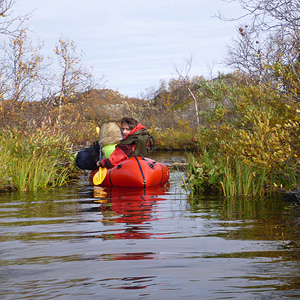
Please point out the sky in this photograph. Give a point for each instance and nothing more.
(135, 44)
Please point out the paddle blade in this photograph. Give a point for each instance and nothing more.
(99, 176)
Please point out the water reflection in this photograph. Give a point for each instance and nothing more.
(128, 214)
(132, 207)
(260, 218)
(82, 242)
(128, 283)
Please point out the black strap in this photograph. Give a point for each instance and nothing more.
(144, 180)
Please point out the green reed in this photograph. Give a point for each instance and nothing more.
(36, 173)
(241, 179)
(34, 161)
(228, 176)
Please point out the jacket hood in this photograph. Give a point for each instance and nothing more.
(138, 127)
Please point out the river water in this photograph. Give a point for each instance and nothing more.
(84, 242)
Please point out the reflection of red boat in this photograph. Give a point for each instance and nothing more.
(136, 172)
(116, 193)
(130, 206)
(131, 211)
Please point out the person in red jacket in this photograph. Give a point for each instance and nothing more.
(134, 143)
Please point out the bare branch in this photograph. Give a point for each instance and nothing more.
(184, 76)
(10, 24)
(268, 47)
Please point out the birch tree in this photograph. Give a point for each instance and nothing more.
(184, 77)
(20, 68)
(71, 78)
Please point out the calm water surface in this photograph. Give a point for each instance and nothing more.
(82, 242)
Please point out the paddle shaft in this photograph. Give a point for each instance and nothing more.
(100, 154)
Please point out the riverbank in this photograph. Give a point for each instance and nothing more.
(42, 159)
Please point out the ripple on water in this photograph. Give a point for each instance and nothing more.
(81, 242)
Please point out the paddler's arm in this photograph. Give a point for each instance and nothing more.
(120, 154)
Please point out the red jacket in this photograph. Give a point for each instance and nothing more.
(122, 152)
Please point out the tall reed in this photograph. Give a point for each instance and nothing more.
(34, 161)
(36, 173)
(241, 179)
(231, 177)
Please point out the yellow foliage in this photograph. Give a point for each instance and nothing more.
(259, 130)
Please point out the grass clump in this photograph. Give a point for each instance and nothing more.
(41, 158)
(227, 176)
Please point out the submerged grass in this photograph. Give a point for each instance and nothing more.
(34, 161)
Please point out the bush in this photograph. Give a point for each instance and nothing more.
(250, 131)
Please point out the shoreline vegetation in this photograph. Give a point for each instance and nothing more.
(246, 145)
(241, 130)
(37, 160)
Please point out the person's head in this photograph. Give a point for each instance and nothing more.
(110, 133)
(127, 124)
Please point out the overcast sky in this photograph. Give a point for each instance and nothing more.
(136, 43)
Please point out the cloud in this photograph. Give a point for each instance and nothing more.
(135, 43)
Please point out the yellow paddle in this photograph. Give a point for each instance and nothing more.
(100, 175)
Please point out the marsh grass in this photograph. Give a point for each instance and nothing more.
(241, 179)
(31, 162)
(36, 173)
(227, 176)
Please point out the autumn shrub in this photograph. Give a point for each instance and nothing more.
(254, 128)
(35, 159)
(181, 138)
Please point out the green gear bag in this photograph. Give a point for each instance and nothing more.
(141, 139)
